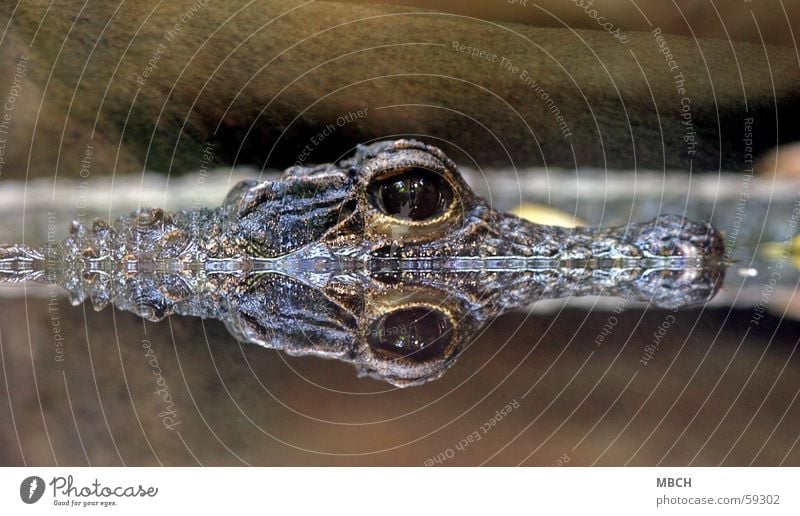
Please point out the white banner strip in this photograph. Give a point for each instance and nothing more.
(401, 491)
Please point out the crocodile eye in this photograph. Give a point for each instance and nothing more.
(416, 334)
(414, 194)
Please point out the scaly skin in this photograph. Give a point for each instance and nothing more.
(313, 264)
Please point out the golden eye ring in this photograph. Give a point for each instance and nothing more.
(413, 328)
(413, 203)
(416, 334)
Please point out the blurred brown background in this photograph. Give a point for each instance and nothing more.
(771, 22)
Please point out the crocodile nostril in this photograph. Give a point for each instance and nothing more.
(417, 334)
(414, 194)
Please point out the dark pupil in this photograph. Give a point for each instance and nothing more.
(416, 194)
(417, 334)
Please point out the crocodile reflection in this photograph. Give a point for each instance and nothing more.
(386, 260)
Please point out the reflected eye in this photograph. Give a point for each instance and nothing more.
(414, 194)
(418, 334)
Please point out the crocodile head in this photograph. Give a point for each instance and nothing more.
(388, 260)
(405, 200)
